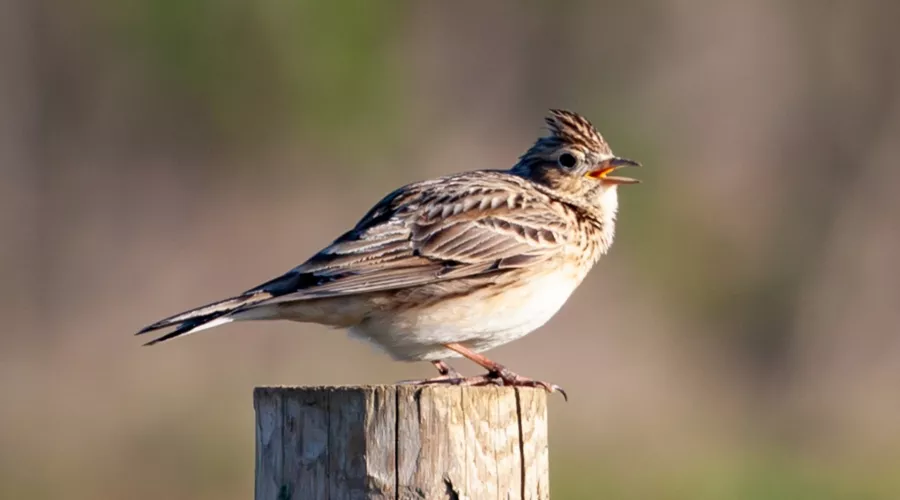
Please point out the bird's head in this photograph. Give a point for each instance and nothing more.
(574, 160)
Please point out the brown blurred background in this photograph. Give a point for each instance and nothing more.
(739, 342)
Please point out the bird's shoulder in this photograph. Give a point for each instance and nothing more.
(465, 196)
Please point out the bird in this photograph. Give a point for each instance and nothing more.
(454, 266)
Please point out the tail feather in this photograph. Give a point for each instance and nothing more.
(204, 317)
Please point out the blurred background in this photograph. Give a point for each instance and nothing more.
(739, 342)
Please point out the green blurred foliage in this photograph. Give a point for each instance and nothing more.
(252, 69)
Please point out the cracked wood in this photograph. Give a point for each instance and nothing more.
(401, 442)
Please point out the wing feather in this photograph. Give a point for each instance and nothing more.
(481, 224)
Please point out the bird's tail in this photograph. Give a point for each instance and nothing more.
(208, 316)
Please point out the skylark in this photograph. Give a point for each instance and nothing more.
(457, 265)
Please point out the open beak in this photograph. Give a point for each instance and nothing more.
(609, 166)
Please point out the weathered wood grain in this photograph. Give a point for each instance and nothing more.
(401, 442)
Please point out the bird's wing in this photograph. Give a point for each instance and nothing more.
(457, 227)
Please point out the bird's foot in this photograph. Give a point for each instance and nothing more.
(456, 379)
(448, 375)
(500, 376)
(445, 369)
(503, 376)
(449, 379)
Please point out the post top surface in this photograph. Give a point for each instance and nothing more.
(384, 387)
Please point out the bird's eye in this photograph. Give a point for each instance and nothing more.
(567, 160)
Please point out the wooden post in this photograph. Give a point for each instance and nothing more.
(401, 442)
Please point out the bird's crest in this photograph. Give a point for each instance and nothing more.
(573, 128)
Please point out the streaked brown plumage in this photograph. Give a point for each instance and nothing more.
(456, 265)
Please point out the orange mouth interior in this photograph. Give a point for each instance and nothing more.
(600, 173)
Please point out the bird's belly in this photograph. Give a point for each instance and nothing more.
(481, 320)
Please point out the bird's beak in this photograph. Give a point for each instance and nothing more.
(609, 166)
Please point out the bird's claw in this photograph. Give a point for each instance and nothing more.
(508, 378)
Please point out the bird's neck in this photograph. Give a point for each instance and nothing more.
(598, 217)
(606, 231)
(606, 210)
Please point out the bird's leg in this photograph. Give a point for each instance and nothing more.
(499, 374)
(445, 369)
(448, 375)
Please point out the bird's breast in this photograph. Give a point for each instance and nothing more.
(482, 318)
